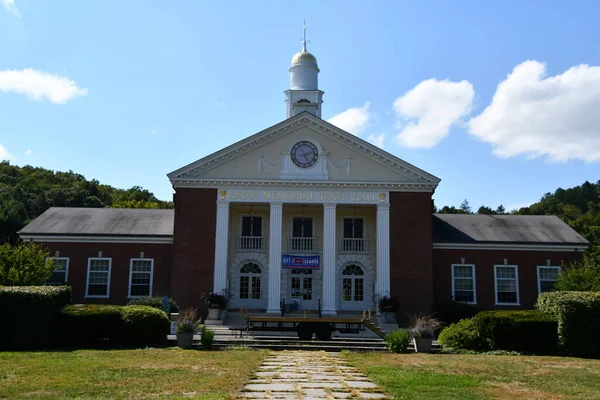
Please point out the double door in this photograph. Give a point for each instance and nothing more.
(301, 287)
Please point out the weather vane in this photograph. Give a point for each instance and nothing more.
(304, 41)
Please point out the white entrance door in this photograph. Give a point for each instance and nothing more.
(302, 289)
(250, 287)
(353, 288)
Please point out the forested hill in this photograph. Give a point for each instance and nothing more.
(26, 192)
(578, 206)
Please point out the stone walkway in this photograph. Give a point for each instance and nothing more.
(300, 375)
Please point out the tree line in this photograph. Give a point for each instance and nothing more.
(26, 192)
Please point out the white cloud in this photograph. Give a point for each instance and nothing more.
(535, 115)
(377, 140)
(38, 85)
(427, 111)
(4, 154)
(353, 120)
(154, 131)
(28, 152)
(11, 7)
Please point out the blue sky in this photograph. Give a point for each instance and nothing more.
(498, 99)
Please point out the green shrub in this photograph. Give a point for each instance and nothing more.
(26, 314)
(144, 326)
(89, 326)
(578, 315)
(24, 264)
(524, 331)
(397, 341)
(153, 301)
(463, 335)
(207, 339)
(106, 326)
(450, 312)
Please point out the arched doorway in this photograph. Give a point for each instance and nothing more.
(250, 288)
(353, 287)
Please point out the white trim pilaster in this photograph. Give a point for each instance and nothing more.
(382, 287)
(275, 233)
(329, 258)
(221, 247)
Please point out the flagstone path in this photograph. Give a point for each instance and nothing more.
(301, 375)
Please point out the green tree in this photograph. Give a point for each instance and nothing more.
(581, 276)
(24, 264)
(465, 207)
(485, 210)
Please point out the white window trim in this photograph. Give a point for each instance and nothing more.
(516, 267)
(129, 296)
(66, 267)
(87, 283)
(474, 283)
(539, 282)
(310, 216)
(364, 220)
(262, 223)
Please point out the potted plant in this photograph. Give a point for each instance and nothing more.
(187, 325)
(422, 329)
(388, 306)
(215, 302)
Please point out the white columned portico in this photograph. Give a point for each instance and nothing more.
(382, 287)
(329, 259)
(275, 233)
(221, 247)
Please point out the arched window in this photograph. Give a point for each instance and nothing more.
(250, 281)
(353, 284)
(303, 101)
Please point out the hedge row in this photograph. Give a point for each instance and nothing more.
(27, 313)
(578, 315)
(105, 326)
(525, 331)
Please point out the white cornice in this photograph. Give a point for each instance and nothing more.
(97, 239)
(508, 246)
(290, 125)
(214, 183)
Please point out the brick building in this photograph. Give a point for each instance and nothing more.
(309, 213)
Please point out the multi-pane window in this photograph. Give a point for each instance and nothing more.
(302, 234)
(353, 283)
(547, 277)
(98, 277)
(61, 271)
(507, 284)
(250, 281)
(251, 238)
(463, 283)
(353, 231)
(140, 277)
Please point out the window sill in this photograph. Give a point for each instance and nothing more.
(97, 297)
(508, 304)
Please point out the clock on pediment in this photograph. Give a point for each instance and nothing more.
(304, 154)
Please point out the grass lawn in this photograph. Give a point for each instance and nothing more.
(465, 377)
(126, 374)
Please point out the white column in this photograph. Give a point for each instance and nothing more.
(221, 247)
(328, 261)
(275, 228)
(382, 287)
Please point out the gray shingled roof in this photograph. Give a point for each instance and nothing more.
(545, 229)
(102, 221)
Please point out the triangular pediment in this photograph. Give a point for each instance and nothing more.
(265, 158)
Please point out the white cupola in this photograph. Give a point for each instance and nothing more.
(304, 93)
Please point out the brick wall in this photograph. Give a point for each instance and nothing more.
(121, 254)
(411, 275)
(193, 245)
(484, 260)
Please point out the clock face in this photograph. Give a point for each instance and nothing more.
(304, 154)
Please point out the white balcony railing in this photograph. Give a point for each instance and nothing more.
(348, 245)
(252, 243)
(302, 244)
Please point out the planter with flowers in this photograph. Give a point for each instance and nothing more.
(422, 329)
(215, 302)
(187, 325)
